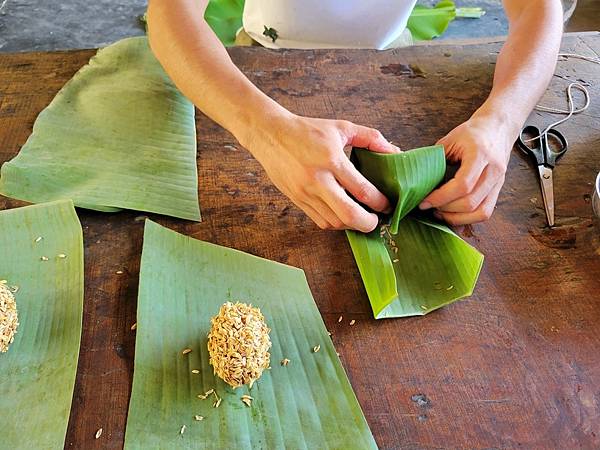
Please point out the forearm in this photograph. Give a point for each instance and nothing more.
(526, 62)
(200, 66)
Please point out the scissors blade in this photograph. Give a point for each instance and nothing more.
(547, 192)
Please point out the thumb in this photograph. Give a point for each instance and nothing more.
(369, 138)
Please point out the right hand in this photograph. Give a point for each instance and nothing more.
(305, 159)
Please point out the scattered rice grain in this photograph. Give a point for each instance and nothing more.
(198, 418)
(134, 327)
(98, 433)
(316, 348)
(352, 322)
(206, 394)
(186, 351)
(195, 371)
(285, 362)
(183, 427)
(44, 258)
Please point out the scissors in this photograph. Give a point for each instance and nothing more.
(545, 148)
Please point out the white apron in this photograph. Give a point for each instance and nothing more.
(329, 23)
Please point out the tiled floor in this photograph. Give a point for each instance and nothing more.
(586, 16)
(27, 25)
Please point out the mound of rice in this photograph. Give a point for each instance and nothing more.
(9, 320)
(238, 344)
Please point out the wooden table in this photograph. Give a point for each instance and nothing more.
(517, 365)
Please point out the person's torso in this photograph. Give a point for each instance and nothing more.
(327, 23)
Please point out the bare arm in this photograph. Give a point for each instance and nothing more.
(483, 143)
(303, 156)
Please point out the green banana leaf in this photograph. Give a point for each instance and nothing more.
(117, 135)
(405, 179)
(427, 23)
(412, 265)
(470, 13)
(307, 404)
(225, 19)
(38, 371)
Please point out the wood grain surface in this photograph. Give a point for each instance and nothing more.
(517, 365)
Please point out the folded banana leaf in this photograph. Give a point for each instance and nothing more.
(117, 135)
(411, 265)
(307, 404)
(37, 374)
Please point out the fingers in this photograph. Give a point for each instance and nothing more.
(360, 188)
(471, 201)
(346, 215)
(314, 215)
(319, 206)
(350, 213)
(365, 137)
(483, 212)
(461, 185)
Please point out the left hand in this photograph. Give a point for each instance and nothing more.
(482, 145)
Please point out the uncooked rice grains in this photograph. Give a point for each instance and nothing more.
(9, 320)
(239, 343)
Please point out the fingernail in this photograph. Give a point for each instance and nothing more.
(425, 205)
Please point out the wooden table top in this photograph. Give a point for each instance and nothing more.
(517, 365)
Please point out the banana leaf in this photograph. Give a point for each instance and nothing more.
(427, 23)
(38, 371)
(117, 135)
(413, 265)
(225, 19)
(307, 404)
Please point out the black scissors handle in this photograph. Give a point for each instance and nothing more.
(530, 142)
(545, 149)
(554, 152)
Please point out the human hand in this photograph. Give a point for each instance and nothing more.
(482, 146)
(305, 159)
